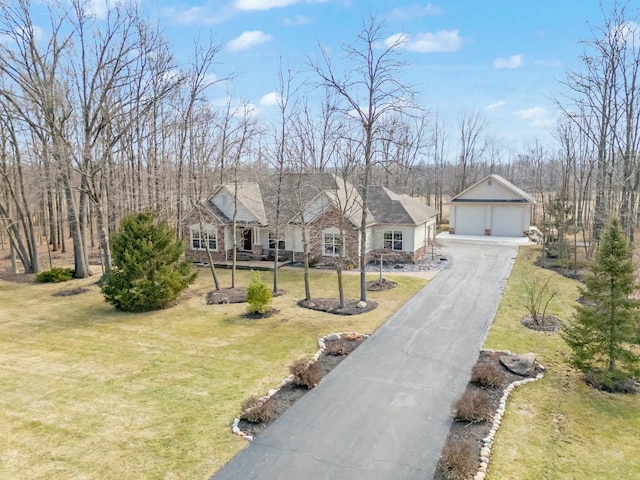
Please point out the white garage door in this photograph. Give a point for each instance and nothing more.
(507, 221)
(469, 220)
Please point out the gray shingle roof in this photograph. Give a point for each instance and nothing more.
(391, 208)
(301, 190)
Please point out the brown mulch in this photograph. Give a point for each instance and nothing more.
(227, 295)
(475, 432)
(380, 285)
(332, 305)
(290, 393)
(549, 324)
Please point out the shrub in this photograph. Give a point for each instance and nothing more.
(459, 459)
(259, 297)
(55, 275)
(488, 374)
(474, 406)
(148, 272)
(305, 373)
(337, 348)
(257, 409)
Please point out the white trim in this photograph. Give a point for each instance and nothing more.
(209, 231)
(335, 245)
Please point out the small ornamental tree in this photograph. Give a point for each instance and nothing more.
(259, 296)
(604, 334)
(148, 271)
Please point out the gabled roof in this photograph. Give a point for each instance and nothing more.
(313, 193)
(250, 206)
(506, 193)
(388, 207)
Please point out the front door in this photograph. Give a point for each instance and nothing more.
(247, 241)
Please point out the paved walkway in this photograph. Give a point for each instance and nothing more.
(385, 411)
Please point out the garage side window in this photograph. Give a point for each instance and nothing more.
(201, 238)
(393, 240)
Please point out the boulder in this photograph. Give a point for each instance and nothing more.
(361, 304)
(523, 365)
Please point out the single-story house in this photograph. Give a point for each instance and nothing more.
(492, 206)
(317, 207)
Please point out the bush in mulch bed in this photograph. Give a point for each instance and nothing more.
(306, 373)
(258, 409)
(459, 457)
(473, 413)
(336, 348)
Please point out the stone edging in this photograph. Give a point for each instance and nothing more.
(321, 348)
(487, 442)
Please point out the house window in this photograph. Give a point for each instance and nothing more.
(200, 239)
(272, 241)
(393, 240)
(331, 244)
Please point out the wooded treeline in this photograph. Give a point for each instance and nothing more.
(98, 120)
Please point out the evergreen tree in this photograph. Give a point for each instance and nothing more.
(149, 272)
(259, 297)
(604, 334)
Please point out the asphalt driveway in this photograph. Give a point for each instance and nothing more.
(385, 411)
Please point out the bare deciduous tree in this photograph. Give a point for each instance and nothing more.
(369, 89)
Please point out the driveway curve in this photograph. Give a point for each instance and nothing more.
(385, 411)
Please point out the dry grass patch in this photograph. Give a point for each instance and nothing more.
(88, 392)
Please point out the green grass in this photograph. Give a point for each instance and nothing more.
(558, 428)
(91, 393)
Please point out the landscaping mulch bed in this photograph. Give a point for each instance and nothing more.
(332, 305)
(549, 324)
(380, 285)
(227, 295)
(290, 393)
(474, 433)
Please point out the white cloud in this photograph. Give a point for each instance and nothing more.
(441, 41)
(248, 39)
(396, 39)
(263, 4)
(499, 104)
(297, 20)
(411, 12)
(627, 33)
(536, 116)
(100, 8)
(8, 38)
(512, 62)
(199, 15)
(270, 99)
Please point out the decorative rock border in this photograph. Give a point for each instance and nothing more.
(487, 442)
(322, 346)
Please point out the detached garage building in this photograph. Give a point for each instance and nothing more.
(493, 206)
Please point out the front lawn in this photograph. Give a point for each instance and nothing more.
(91, 393)
(558, 428)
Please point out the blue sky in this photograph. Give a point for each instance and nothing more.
(501, 58)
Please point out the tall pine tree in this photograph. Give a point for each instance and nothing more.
(604, 335)
(149, 271)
